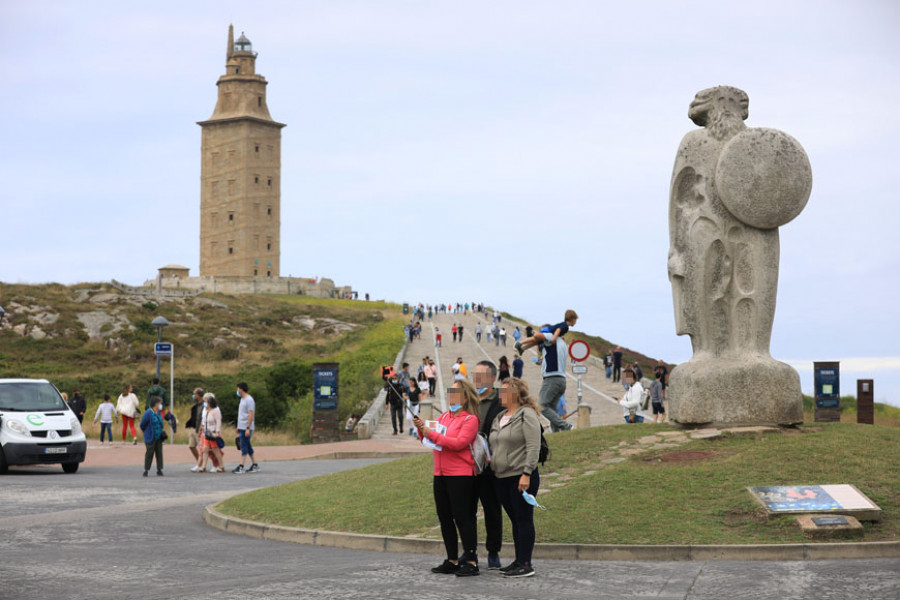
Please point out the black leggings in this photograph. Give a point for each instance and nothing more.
(521, 514)
(455, 499)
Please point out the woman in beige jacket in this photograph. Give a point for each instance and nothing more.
(129, 408)
(515, 442)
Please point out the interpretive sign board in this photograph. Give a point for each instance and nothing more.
(325, 426)
(812, 499)
(827, 382)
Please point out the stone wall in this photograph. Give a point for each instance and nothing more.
(224, 284)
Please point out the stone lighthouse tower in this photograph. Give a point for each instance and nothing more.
(240, 173)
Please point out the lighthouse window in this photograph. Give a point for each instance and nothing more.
(256, 148)
(259, 101)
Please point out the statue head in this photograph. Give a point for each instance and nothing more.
(722, 110)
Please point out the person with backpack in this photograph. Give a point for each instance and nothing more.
(515, 442)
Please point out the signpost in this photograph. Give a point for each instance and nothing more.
(325, 403)
(579, 351)
(167, 349)
(828, 391)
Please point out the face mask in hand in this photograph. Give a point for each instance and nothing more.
(454, 407)
(482, 390)
(627, 386)
(531, 500)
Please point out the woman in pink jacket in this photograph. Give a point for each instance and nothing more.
(455, 492)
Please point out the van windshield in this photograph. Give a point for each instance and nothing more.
(28, 396)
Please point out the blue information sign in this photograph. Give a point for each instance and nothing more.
(325, 386)
(828, 385)
(163, 349)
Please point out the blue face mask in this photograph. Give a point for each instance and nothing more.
(238, 394)
(204, 404)
(627, 386)
(454, 407)
(531, 500)
(482, 390)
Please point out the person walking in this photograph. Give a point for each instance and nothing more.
(106, 412)
(212, 442)
(634, 394)
(656, 398)
(431, 375)
(454, 478)
(515, 441)
(453, 330)
(246, 423)
(617, 364)
(393, 400)
(608, 363)
(478, 331)
(158, 391)
(129, 408)
(553, 372)
(488, 409)
(152, 426)
(503, 336)
(78, 405)
(503, 369)
(518, 366)
(663, 371)
(193, 424)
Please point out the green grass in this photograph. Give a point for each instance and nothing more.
(639, 501)
(253, 338)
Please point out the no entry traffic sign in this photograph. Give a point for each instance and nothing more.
(579, 350)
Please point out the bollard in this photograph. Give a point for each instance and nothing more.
(426, 410)
(584, 416)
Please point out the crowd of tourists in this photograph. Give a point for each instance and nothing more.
(204, 425)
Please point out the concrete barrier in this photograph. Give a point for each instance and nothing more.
(592, 552)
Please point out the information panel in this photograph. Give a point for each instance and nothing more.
(325, 386)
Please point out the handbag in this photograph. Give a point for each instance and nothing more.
(163, 436)
(220, 442)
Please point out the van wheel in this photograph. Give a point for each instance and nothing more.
(4, 468)
(70, 467)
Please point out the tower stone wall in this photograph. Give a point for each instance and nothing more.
(240, 194)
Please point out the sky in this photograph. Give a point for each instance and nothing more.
(517, 153)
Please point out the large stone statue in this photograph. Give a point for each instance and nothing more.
(732, 187)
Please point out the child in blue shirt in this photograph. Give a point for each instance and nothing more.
(571, 317)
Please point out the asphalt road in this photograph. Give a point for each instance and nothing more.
(106, 532)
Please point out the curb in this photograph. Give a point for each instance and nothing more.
(593, 552)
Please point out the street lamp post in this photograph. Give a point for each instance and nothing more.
(160, 323)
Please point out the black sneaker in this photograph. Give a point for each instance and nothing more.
(254, 468)
(520, 571)
(511, 566)
(159, 473)
(238, 469)
(518, 347)
(493, 561)
(467, 570)
(446, 568)
(145, 473)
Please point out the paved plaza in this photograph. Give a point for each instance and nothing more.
(107, 533)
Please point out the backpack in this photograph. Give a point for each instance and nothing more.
(544, 454)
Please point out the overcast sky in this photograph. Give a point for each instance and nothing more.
(515, 152)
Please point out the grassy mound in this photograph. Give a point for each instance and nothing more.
(610, 485)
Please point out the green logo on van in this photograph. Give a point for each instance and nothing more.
(35, 420)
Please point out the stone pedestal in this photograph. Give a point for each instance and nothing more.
(584, 416)
(426, 410)
(744, 391)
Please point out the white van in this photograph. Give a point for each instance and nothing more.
(37, 427)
